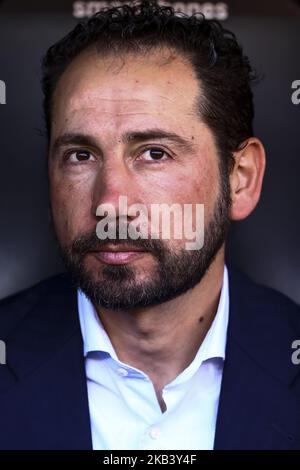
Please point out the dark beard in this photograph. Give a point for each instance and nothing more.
(175, 273)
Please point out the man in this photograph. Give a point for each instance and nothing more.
(154, 346)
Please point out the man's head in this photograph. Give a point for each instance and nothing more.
(143, 103)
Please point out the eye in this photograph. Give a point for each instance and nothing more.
(79, 156)
(155, 154)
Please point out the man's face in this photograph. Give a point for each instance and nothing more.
(107, 140)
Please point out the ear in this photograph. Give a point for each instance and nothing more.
(246, 178)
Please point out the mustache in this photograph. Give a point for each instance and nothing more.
(89, 241)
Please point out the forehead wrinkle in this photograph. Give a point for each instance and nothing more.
(143, 100)
(115, 99)
(79, 108)
(115, 113)
(77, 102)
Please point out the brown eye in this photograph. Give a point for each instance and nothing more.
(155, 154)
(80, 156)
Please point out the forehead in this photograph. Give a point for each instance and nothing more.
(112, 90)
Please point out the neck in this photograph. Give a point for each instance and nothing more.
(163, 340)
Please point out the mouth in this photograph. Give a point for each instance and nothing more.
(118, 254)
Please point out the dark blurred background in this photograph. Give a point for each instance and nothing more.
(266, 245)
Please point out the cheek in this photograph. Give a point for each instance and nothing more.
(191, 185)
(204, 191)
(71, 206)
(205, 185)
(195, 184)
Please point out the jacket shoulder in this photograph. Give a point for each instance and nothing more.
(264, 306)
(16, 306)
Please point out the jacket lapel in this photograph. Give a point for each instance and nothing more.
(44, 403)
(257, 408)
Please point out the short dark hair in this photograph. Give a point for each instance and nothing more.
(224, 72)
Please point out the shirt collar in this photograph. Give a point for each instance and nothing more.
(95, 337)
(214, 343)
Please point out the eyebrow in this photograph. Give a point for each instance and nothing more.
(127, 137)
(157, 134)
(73, 139)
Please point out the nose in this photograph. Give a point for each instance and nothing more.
(114, 181)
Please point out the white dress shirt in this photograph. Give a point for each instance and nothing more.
(124, 410)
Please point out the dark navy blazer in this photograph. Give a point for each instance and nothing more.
(43, 390)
